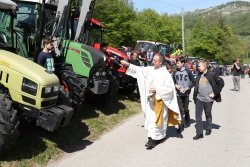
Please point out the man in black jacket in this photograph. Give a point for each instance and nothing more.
(205, 92)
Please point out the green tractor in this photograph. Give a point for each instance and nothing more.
(80, 68)
(87, 62)
(27, 90)
(28, 29)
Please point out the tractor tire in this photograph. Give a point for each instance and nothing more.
(8, 124)
(72, 87)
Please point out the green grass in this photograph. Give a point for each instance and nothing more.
(35, 146)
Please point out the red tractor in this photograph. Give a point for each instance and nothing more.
(91, 34)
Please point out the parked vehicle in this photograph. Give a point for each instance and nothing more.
(80, 68)
(27, 90)
(154, 46)
(90, 32)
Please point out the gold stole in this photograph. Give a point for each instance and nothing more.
(172, 116)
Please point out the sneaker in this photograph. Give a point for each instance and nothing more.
(208, 132)
(198, 136)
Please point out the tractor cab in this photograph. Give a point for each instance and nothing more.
(94, 29)
(28, 25)
(155, 46)
(7, 14)
(95, 37)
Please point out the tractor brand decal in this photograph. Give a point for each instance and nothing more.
(75, 50)
(3, 63)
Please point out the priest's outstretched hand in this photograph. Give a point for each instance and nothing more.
(124, 63)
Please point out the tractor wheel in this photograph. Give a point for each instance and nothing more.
(72, 87)
(8, 124)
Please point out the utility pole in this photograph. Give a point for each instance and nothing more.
(182, 28)
(247, 57)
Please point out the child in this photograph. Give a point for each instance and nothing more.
(45, 58)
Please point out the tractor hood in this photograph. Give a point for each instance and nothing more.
(97, 56)
(27, 68)
(7, 5)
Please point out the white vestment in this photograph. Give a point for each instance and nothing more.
(165, 90)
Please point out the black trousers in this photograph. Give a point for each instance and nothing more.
(199, 107)
(183, 102)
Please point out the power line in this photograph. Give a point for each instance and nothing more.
(169, 4)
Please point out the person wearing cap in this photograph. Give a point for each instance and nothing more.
(45, 58)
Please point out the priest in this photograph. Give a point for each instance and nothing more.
(158, 98)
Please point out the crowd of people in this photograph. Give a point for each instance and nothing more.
(165, 95)
(165, 89)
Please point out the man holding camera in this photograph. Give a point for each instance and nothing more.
(236, 71)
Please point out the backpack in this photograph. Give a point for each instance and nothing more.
(218, 80)
(220, 83)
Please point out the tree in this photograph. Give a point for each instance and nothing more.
(117, 17)
(214, 40)
(124, 26)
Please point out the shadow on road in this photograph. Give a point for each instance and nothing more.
(90, 109)
(34, 140)
(172, 132)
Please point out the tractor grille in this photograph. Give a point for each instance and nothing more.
(48, 103)
(85, 59)
(29, 100)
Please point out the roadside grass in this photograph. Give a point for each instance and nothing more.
(36, 147)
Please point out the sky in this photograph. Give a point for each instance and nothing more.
(174, 6)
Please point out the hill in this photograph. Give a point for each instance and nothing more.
(236, 14)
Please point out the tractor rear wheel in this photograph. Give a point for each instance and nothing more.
(8, 124)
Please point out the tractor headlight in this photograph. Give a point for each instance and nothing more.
(97, 74)
(47, 90)
(50, 91)
(29, 87)
(56, 89)
(104, 73)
